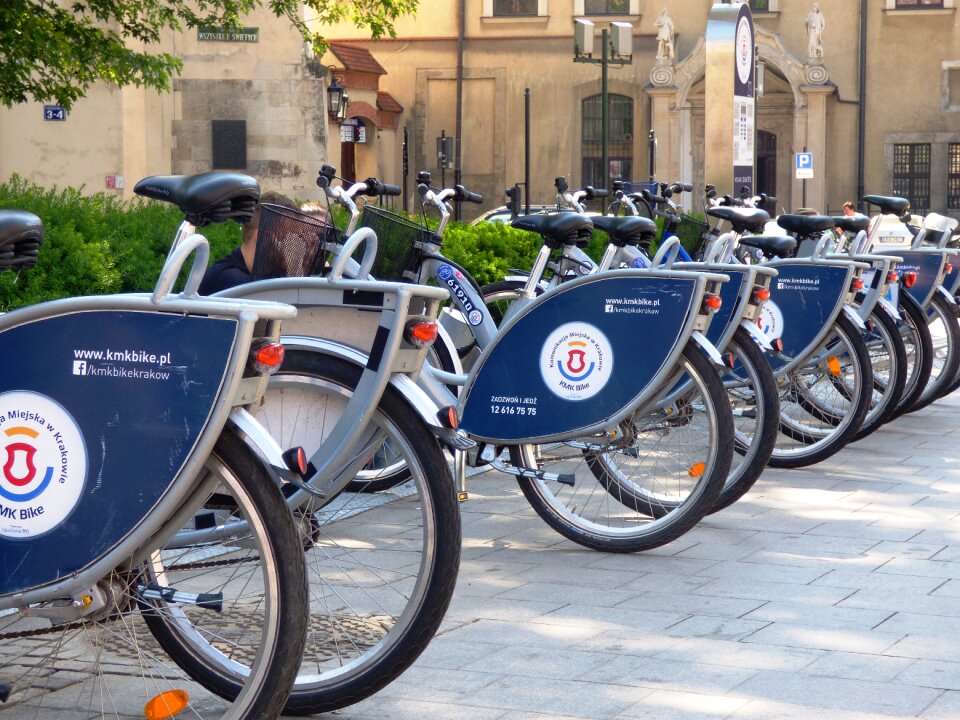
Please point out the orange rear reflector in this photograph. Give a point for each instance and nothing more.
(834, 364)
(696, 470)
(166, 705)
(269, 355)
(909, 278)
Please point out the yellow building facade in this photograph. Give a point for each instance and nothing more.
(886, 71)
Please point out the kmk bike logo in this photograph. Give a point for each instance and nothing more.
(454, 280)
(43, 464)
(576, 361)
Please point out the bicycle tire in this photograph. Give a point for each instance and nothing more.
(754, 390)
(919, 345)
(941, 321)
(888, 360)
(261, 628)
(381, 616)
(613, 525)
(819, 435)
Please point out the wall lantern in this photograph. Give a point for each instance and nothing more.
(335, 97)
(342, 110)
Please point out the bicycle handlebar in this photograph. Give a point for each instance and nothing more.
(464, 195)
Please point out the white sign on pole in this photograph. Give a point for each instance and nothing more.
(804, 165)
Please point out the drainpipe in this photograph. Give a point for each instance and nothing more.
(862, 109)
(458, 130)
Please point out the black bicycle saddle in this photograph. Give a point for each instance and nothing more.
(851, 223)
(556, 227)
(805, 225)
(742, 219)
(207, 198)
(771, 245)
(626, 230)
(21, 234)
(888, 205)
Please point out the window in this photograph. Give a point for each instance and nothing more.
(953, 176)
(511, 8)
(919, 3)
(911, 174)
(619, 140)
(606, 7)
(760, 5)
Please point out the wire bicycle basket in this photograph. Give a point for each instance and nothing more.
(692, 233)
(291, 243)
(399, 243)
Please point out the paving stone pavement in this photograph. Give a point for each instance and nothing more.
(827, 592)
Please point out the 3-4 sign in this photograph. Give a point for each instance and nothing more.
(804, 165)
(54, 112)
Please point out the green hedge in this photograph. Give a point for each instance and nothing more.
(96, 244)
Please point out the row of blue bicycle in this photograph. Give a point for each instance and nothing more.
(246, 504)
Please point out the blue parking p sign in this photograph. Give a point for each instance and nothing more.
(804, 165)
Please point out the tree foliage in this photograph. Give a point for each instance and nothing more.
(53, 50)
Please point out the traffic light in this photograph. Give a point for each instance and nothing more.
(513, 193)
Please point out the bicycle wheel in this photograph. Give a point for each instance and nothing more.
(888, 360)
(381, 567)
(109, 665)
(919, 347)
(755, 403)
(823, 402)
(945, 335)
(646, 483)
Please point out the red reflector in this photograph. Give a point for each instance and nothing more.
(269, 355)
(761, 294)
(909, 278)
(448, 417)
(893, 276)
(730, 360)
(948, 268)
(777, 344)
(422, 332)
(712, 302)
(857, 284)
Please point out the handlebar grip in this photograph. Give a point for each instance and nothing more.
(651, 198)
(465, 195)
(593, 192)
(685, 187)
(375, 187)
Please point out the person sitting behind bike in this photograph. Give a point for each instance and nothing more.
(237, 267)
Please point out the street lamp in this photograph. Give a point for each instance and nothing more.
(616, 44)
(334, 96)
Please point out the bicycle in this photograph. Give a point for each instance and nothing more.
(823, 361)
(747, 377)
(345, 390)
(560, 459)
(129, 406)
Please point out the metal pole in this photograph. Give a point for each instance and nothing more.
(443, 158)
(604, 129)
(526, 149)
(458, 131)
(652, 147)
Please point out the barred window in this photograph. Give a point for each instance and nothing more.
(619, 140)
(953, 177)
(911, 174)
(919, 3)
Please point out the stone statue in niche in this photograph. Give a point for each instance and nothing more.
(665, 35)
(815, 24)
